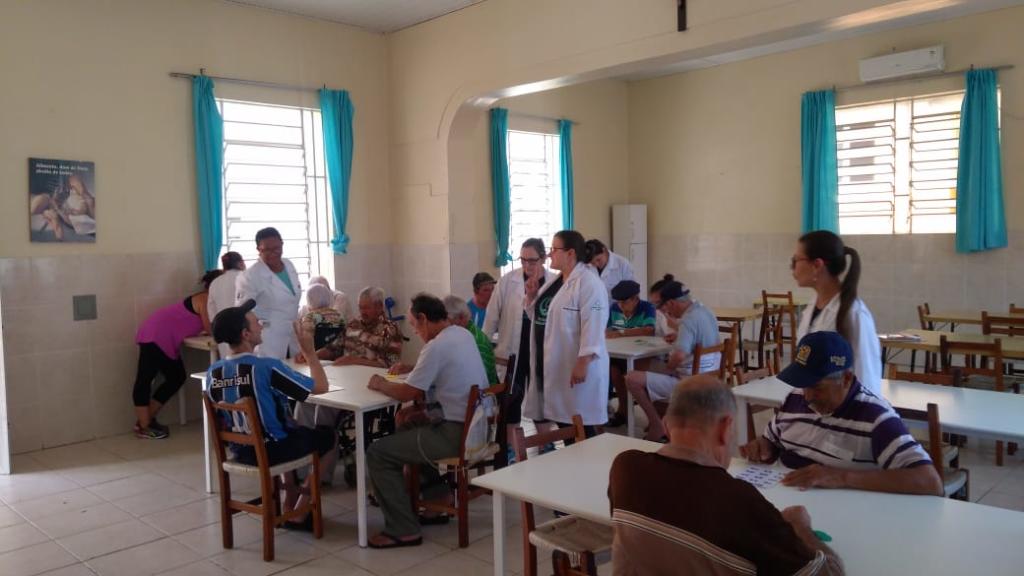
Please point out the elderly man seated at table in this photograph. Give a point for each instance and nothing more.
(629, 316)
(459, 315)
(679, 511)
(697, 325)
(371, 339)
(838, 434)
(448, 367)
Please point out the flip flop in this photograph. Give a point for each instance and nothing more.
(395, 542)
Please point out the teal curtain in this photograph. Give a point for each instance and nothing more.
(209, 134)
(818, 160)
(336, 116)
(565, 162)
(500, 185)
(980, 220)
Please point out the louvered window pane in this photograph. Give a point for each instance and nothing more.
(274, 175)
(534, 175)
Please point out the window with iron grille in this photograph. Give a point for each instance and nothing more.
(535, 178)
(275, 175)
(898, 165)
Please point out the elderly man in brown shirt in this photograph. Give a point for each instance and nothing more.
(679, 511)
(371, 339)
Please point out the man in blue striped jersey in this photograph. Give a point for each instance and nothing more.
(272, 383)
(837, 434)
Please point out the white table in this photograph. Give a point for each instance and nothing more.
(348, 391)
(630, 349)
(979, 413)
(873, 533)
(204, 343)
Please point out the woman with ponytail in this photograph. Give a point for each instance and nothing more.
(819, 261)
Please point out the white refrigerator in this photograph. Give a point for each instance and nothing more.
(629, 238)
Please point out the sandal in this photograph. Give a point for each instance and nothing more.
(437, 520)
(302, 526)
(395, 542)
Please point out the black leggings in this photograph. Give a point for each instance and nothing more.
(152, 361)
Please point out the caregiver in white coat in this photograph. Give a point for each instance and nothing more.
(819, 260)
(574, 357)
(274, 285)
(222, 291)
(608, 265)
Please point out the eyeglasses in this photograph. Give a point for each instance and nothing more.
(556, 249)
(795, 259)
(525, 261)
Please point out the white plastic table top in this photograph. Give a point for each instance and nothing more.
(980, 413)
(636, 347)
(348, 388)
(873, 533)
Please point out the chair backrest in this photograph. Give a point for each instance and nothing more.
(1004, 325)
(924, 310)
(730, 361)
(931, 416)
(786, 297)
(972, 350)
(521, 443)
(952, 378)
(724, 348)
(221, 434)
(1014, 309)
(479, 401)
(787, 309)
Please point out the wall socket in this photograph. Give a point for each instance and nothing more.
(84, 307)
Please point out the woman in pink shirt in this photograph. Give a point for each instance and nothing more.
(159, 339)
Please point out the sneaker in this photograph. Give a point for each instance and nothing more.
(148, 433)
(158, 426)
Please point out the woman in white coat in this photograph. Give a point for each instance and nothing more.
(609, 266)
(506, 317)
(819, 260)
(273, 283)
(222, 290)
(570, 364)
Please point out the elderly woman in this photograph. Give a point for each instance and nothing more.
(326, 323)
(339, 300)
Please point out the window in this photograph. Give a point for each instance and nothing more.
(275, 175)
(898, 165)
(535, 178)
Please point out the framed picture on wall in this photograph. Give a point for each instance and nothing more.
(61, 200)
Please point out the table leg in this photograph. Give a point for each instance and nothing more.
(206, 453)
(182, 405)
(630, 418)
(742, 409)
(498, 506)
(360, 479)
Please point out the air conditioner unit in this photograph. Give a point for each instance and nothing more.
(910, 63)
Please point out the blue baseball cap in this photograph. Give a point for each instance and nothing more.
(818, 354)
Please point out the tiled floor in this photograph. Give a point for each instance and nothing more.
(125, 506)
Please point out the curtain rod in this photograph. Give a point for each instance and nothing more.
(913, 78)
(537, 117)
(202, 71)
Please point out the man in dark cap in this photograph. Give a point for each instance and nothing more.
(629, 316)
(271, 383)
(483, 287)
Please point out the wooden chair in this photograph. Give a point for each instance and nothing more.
(733, 365)
(461, 467)
(788, 312)
(954, 379)
(956, 482)
(1014, 309)
(724, 348)
(552, 535)
(929, 360)
(1011, 326)
(269, 506)
(983, 352)
(768, 346)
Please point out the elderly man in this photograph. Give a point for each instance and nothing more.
(697, 325)
(448, 367)
(629, 316)
(371, 339)
(679, 511)
(459, 315)
(483, 287)
(838, 434)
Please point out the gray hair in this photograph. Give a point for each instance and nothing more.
(318, 296)
(373, 294)
(456, 307)
(700, 401)
(319, 280)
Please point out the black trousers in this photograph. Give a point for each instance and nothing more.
(153, 361)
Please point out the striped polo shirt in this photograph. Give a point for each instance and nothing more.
(863, 433)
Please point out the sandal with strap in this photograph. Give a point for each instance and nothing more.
(395, 542)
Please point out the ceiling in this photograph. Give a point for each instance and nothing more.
(377, 15)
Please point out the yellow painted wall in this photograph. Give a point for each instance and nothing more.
(88, 80)
(718, 150)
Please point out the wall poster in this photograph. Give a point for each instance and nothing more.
(61, 200)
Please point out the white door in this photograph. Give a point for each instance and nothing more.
(5, 448)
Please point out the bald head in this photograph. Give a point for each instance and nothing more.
(700, 402)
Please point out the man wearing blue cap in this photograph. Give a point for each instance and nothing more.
(838, 434)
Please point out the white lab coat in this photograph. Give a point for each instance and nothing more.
(222, 295)
(505, 312)
(867, 351)
(616, 270)
(576, 322)
(276, 306)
